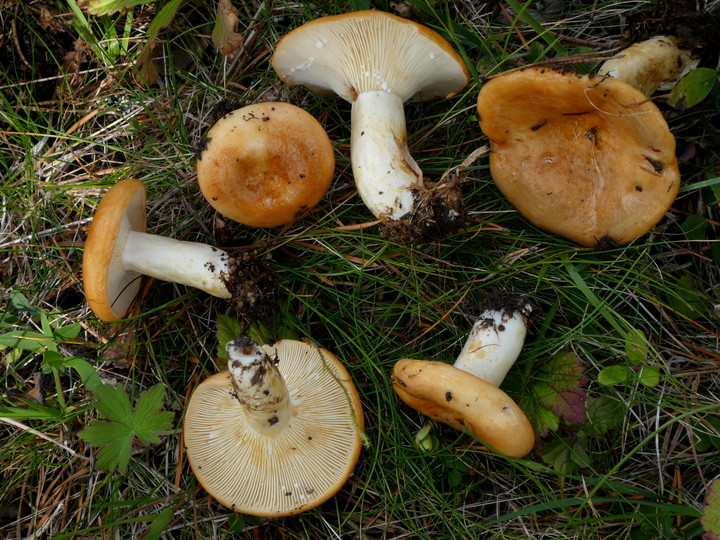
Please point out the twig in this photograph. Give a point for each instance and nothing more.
(46, 232)
(37, 433)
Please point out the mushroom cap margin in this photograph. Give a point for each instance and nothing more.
(109, 289)
(587, 158)
(465, 402)
(370, 50)
(279, 476)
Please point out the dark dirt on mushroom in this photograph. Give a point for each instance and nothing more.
(253, 290)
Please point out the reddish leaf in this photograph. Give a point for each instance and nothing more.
(561, 390)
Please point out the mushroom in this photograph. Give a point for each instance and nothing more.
(587, 158)
(377, 61)
(279, 432)
(652, 64)
(466, 395)
(265, 164)
(118, 251)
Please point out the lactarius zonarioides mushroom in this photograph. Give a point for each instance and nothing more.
(457, 395)
(118, 252)
(279, 432)
(265, 164)
(588, 158)
(652, 64)
(377, 61)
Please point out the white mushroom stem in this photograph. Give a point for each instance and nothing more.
(386, 175)
(494, 343)
(259, 387)
(188, 263)
(656, 63)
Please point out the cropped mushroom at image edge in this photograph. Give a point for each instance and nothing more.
(278, 433)
(377, 61)
(265, 164)
(588, 158)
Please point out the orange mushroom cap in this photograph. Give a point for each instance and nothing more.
(109, 287)
(465, 402)
(264, 165)
(587, 158)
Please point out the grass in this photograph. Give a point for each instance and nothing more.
(75, 121)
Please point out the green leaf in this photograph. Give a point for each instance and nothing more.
(106, 7)
(636, 345)
(560, 389)
(86, 371)
(27, 340)
(100, 433)
(426, 440)
(695, 227)
(147, 418)
(67, 333)
(228, 329)
(113, 403)
(543, 421)
(159, 524)
(613, 375)
(21, 304)
(115, 437)
(53, 360)
(566, 455)
(711, 512)
(7, 320)
(604, 414)
(706, 433)
(693, 88)
(115, 455)
(686, 299)
(649, 376)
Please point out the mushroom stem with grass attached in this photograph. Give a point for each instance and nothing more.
(465, 395)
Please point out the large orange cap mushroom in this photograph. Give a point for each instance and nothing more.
(119, 251)
(377, 62)
(264, 165)
(587, 158)
(465, 402)
(279, 432)
(466, 395)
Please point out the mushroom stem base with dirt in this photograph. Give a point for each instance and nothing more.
(390, 182)
(188, 263)
(259, 387)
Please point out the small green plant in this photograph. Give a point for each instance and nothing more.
(636, 351)
(23, 344)
(124, 424)
(116, 435)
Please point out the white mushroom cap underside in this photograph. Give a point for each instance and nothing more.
(370, 51)
(294, 471)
